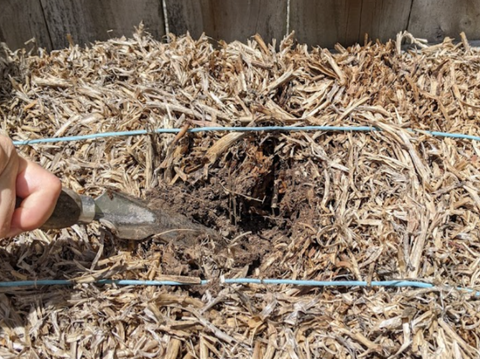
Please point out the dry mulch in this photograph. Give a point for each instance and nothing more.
(332, 206)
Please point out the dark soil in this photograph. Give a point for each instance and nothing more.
(251, 198)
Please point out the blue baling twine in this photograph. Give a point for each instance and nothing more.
(234, 129)
(295, 282)
(311, 283)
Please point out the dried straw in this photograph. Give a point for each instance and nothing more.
(324, 206)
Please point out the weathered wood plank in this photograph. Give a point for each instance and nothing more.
(228, 19)
(90, 20)
(327, 22)
(320, 22)
(21, 20)
(435, 19)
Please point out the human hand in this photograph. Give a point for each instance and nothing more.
(38, 189)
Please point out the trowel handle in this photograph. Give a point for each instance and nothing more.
(71, 208)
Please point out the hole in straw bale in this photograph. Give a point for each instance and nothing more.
(308, 205)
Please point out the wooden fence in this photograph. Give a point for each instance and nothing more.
(316, 22)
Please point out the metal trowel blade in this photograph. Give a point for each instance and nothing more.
(128, 217)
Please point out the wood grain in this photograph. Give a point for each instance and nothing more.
(22, 20)
(228, 20)
(326, 22)
(90, 20)
(435, 19)
(321, 22)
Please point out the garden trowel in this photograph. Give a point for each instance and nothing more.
(126, 216)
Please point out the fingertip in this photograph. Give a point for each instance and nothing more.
(56, 187)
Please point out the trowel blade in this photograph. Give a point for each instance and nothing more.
(128, 217)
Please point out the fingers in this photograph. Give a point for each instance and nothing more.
(8, 173)
(39, 190)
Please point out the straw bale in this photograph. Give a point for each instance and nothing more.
(370, 206)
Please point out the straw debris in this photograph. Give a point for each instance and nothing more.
(386, 205)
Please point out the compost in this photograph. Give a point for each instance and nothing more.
(389, 204)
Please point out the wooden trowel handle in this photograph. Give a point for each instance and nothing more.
(68, 210)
